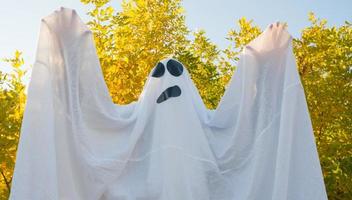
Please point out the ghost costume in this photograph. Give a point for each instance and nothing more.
(76, 144)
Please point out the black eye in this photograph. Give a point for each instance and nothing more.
(174, 67)
(159, 70)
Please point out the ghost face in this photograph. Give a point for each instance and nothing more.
(173, 67)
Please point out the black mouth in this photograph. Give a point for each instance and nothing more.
(173, 91)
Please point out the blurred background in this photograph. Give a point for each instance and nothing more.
(133, 35)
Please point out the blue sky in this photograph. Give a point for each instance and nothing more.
(20, 19)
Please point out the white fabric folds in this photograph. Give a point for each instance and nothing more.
(76, 144)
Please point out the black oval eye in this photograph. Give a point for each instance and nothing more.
(174, 67)
(159, 70)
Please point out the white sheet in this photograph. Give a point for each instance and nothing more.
(76, 144)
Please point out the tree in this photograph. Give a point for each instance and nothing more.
(131, 42)
(12, 100)
(209, 68)
(324, 57)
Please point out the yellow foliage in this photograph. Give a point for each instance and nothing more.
(12, 100)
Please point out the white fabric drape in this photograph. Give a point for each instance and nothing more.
(76, 144)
